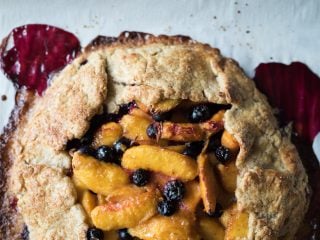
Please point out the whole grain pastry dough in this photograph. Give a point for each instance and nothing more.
(272, 184)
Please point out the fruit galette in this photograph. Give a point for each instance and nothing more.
(154, 138)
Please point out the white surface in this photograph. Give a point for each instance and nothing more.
(251, 31)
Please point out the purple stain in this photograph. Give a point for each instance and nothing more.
(295, 90)
(30, 53)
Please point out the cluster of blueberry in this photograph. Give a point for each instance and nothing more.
(97, 234)
(174, 190)
(106, 153)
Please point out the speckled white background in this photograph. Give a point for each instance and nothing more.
(251, 31)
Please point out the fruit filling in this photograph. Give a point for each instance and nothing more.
(161, 172)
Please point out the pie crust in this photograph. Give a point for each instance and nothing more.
(272, 185)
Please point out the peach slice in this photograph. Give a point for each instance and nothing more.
(99, 177)
(227, 213)
(135, 127)
(181, 132)
(89, 202)
(188, 131)
(165, 105)
(211, 229)
(176, 227)
(176, 148)
(142, 106)
(192, 196)
(107, 134)
(218, 116)
(237, 226)
(208, 183)
(140, 113)
(101, 199)
(125, 207)
(161, 160)
(228, 141)
(228, 176)
(80, 187)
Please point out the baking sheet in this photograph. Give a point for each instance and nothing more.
(251, 31)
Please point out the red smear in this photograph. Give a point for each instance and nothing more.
(37, 51)
(295, 90)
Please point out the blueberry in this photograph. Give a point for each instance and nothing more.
(199, 113)
(121, 145)
(193, 149)
(106, 154)
(223, 154)
(140, 177)
(217, 212)
(174, 190)
(152, 130)
(166, 207)
(160, 117)
(87, 150)
(124, 234)
(95, 234)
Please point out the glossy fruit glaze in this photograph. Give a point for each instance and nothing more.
(32, 52)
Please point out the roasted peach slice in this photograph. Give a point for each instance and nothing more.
(107, 134)
(192, 196)
(101, 199)
(89, 202)
(142, 106)
(227, 213)
(140, 113)
(161, 160)
(208, 183)
(181, 132)
(188, 131)
(176, 148)
(237, 227)
(176, 227)
(214, 124)
(228, 176)
(125, 207)
(218, 117)
(228, 141)
(211, 229)
(135, 127)
(80, 187)
(165, 105)
(97, 176)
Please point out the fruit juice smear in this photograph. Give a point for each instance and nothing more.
(32, 52)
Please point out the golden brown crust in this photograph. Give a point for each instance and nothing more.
(272, 185)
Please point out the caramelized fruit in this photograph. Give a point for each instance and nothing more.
(125, 207)
(99, 177)
(162, 160)
(160, 156)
